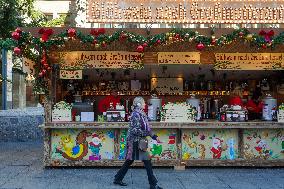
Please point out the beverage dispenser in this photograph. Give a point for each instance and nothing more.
(154, 104)
(269, 108)
(195, 102)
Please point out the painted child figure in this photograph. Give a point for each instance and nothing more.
(95, 146)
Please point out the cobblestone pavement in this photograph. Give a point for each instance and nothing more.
(21, 167)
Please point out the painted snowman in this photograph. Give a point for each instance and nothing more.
(95, 146)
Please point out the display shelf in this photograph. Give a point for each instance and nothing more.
(147, 93)
(159, 125)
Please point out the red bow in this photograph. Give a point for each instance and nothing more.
(267, 35)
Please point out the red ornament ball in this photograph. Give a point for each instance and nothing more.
(122, 37)
(71, 32)
(158, 41)
(40, 74)
(16, 35)
(41, 31)
(200, 46)
(264, 46)
(101, 31)
(43, 72)
(94, 32)
(140, 49)
(18, 30)
(17, 51)
(145, 45)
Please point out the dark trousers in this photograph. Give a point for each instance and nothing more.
(147, 164)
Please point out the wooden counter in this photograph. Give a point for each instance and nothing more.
(207, 143)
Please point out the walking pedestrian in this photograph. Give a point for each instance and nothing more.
(137, 144)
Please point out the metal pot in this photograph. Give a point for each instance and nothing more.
(269, 106)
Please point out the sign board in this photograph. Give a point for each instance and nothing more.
(77, 60)
(71, 74)
(249, 61)
(178, 57)
(185, 11)
(167, 85)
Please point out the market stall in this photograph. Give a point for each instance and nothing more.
(187, 79)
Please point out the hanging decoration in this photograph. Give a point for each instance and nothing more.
(37, 48)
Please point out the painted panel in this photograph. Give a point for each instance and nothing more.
(82, 144)
(165, 150)
(264, 144)
(209, 144)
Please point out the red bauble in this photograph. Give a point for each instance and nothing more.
(17, 51)
(40, 74)
(104, 44)
(145, 45)
(71, 32)
(270, 33)
(94, 32)
(264, 46)
(95, 41)
(48, 32)
(158, 41)
(43, 72)
(262, 32)
(177, 36)
(140, 49)
(241, 34)
(18, 30)
(49, 68)
(44, 37)
(122, 37)
(45, 65)
(200, 46)
(16, 35)
(41, 31)
(101, 31)
(213, 42)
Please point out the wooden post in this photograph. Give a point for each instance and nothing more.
(180, 165)
(241, 143)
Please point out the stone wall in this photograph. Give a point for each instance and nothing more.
(21, 124)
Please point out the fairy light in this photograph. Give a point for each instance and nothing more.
(188, 11)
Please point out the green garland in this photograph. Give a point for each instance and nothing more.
(37, 48)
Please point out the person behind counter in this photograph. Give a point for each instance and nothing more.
(236, 97)
(136, 149)
(255, 105)
(105, 103)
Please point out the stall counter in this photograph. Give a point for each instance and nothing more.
(208, 143)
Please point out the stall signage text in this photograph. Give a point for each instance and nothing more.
(186, 11)
(249, 61)
(76, 60)
(178, 57)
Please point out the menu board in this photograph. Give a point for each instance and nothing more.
(249, 61)
(178, 57)
(167, 85)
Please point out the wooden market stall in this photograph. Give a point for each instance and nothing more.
(89, 66)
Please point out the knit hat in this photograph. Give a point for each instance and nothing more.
(138, 102)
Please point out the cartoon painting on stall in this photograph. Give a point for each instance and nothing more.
(209, 144)
(263, 144)
(79, 144)
(167, 149)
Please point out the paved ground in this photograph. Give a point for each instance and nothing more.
(21, 167)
